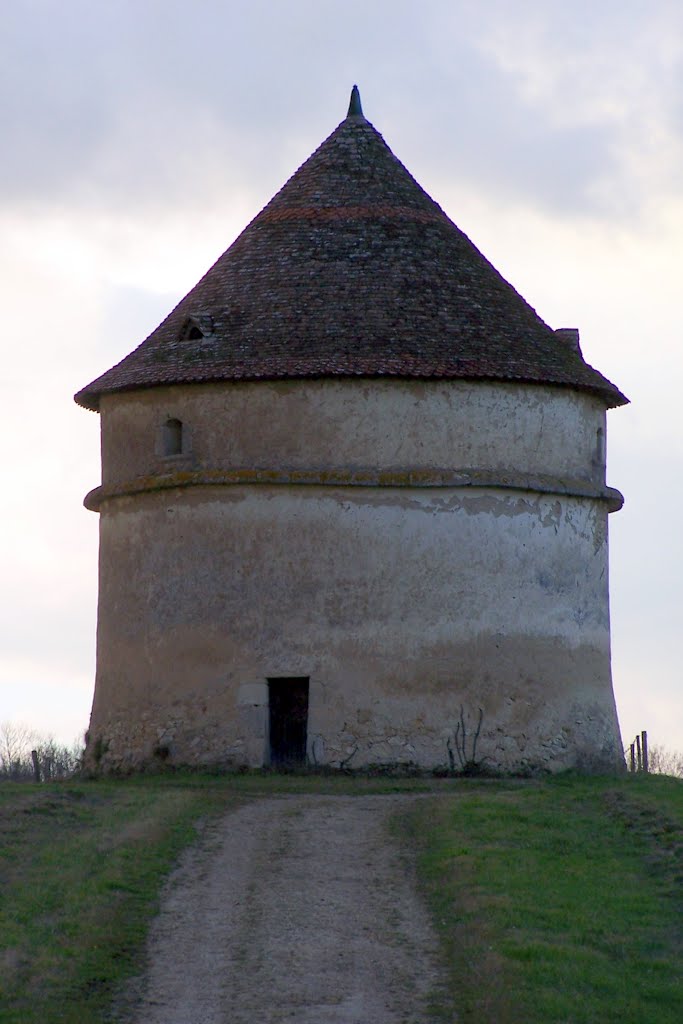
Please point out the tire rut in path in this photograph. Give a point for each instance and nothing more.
(297, 909)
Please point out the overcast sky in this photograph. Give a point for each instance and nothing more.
(140, 136)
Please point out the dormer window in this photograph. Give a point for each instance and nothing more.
(196, 327)
(172, 437)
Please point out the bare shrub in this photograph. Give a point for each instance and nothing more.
(467, 758)
(664, 761)
(56, 761)
(15, 749)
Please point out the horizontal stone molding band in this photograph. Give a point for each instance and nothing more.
(415, 478)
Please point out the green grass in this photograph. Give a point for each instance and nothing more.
(558, 902)
(81, 866)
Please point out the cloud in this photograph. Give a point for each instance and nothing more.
(136, 104)
(136, 99)
(599, 83)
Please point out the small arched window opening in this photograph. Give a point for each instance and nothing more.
(600, 454)
(194, 334)
(172, 437)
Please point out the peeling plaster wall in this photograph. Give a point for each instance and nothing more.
(401, 604)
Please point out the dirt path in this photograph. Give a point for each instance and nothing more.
(297, 909)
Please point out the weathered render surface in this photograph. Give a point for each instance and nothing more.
(387, 477)
(469, 570)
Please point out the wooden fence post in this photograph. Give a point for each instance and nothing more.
(633, 757)
(639, 755)
(646, 766)
(36, 765)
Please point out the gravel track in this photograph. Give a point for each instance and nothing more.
(298, 909)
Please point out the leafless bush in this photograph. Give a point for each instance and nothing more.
(55, 760)
(467, 758)
(664, 761)
(15, 748)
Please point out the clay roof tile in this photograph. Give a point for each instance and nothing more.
(352, 270)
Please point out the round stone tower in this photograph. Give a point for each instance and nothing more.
(353, 507)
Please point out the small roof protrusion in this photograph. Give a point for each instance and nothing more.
(355, 109)
(570, 336)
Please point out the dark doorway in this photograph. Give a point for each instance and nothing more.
(288, 712)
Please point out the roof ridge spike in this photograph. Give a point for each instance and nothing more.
(355, 109)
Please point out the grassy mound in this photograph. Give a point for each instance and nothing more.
(556, 901)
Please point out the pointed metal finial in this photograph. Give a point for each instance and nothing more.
(355, 109)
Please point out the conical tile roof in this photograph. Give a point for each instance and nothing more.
(352, 270)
